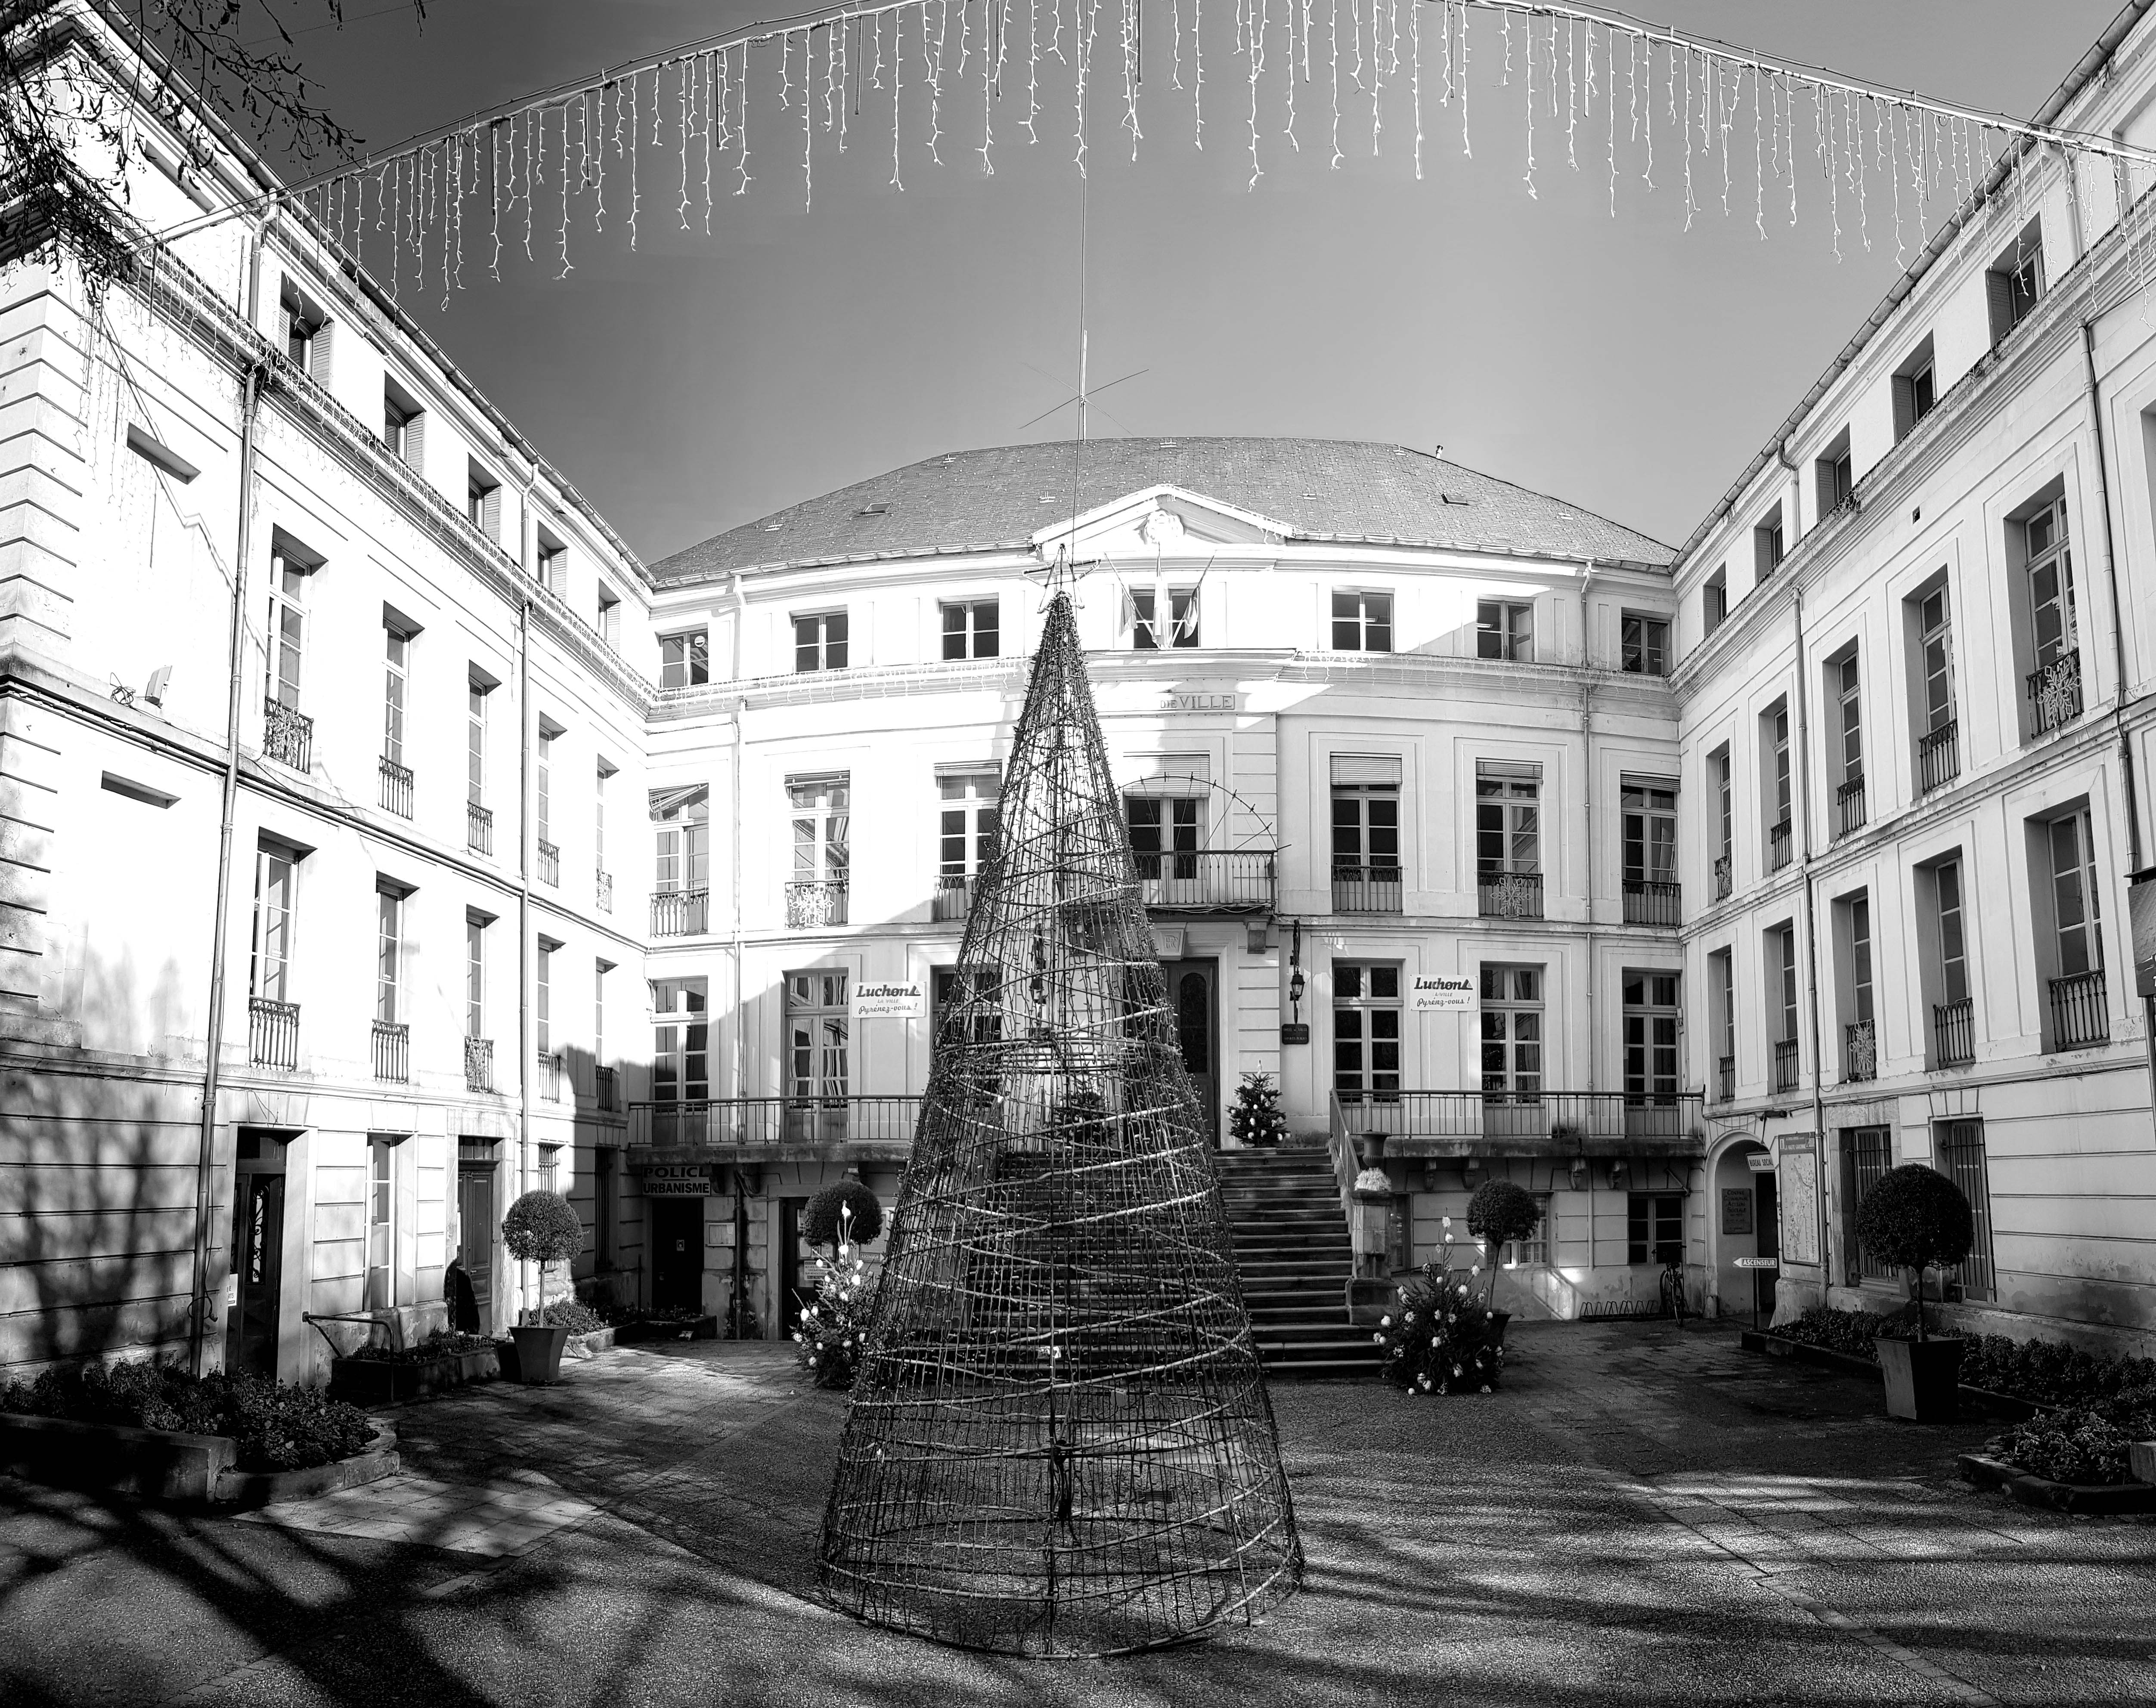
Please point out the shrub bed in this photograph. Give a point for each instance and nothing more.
(1440, 1336)
(443, 1343)
(573, 1314)
(279, 1426)
(2045, 1372)
(2081, 1444)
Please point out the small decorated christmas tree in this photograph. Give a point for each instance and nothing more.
(1256, 1118)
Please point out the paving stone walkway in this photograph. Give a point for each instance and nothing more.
(1643, 1516)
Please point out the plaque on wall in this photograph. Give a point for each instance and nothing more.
(1295, 1032)
(1735, 1209)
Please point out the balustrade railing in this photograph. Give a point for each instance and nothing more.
(1562, 1121)
(396, 789)
(1953, 1031)
(605, 892)
(272, 1033)
(1648, 902)
(953, 898)
(1365, 889)
(2079, 1012)
(550, 865)
(550, 1075)
(812, 904)
(2054, 692)
(288, 735)
(1725, 1079)
(606, 1087)
(479, 1065)
(1785, 1064)
(479, 829)
(391, 1050)
(1778, 846)
(1725, 877)
(1860, 1050)
(1509, 894)
(1938, 755)
(680, 913)
(1206, 880)
(1849, 807)
(774, 1121)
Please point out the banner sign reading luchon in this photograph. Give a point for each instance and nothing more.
(1442, 993)
(895, 999)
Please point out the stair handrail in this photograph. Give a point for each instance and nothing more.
(1340, 1144)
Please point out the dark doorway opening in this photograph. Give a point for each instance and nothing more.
(677, 1261)
(1192, 997)
(258, 1252)
(475, 1226)
(1767, 1219)
(792, 1297)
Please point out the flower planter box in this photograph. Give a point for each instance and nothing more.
(699, 1328)
(2004, 1405)
(169, 1467)
(380, 1381)
(539, 1346)
(1985, 1472)
(1921, 1378)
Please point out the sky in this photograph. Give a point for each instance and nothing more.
(1623, 363)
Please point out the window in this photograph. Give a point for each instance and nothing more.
(1366, 832)
(1720, 777)
(553, 565)
(950, 986)
(1916, 389)
(270, 970)
(820, 641)
(542, 799)
(475, 976)
(550, 1168)
(475, 693)
(2075, 908)
(599, 971)
(389, 954)
(609, 619)
(303, 333)
(685, 659)
(970, 631)
(1535, 1248)
(822, 828)
(1938, 754)
(381, 1221)
(1508, 840)
(965, 825)
(683, 839)
(1646, 644)
(2014, 283)
(1837, 475)
(816, 1036)
(1846, 682)
(483, 500)
(1366, 1030)
(1654, 1227)
(1779, 783)
(543, 996)
(1868, 1153)
(1859, 1057)
(396, 662)
(600, 775)
(1953, 1013)
(287, 634)
(1652, 1022)
(1164, 825)
(1723, 970)
(681, 1042)
(1714, 600)
(1962, 1160)
(1147, 634)
(1768, 549)
(2055, 686)
(1504, 631)
(1362, 622)
(1782, 1004)
(403, 426)
(1512, 1033)
(1649, 814)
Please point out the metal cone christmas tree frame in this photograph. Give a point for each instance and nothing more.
(1060, 1441)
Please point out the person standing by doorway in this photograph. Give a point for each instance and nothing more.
(459, 1296)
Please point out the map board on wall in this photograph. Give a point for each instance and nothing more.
(1797, 1183)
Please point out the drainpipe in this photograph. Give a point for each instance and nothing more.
(526, 1065)
(2133, 858)
(250, 398)
(1811, 924)
(1587, 766)
(737, 1313)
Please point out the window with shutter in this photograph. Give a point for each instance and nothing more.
(318, 354)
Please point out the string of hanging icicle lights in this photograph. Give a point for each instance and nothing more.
(676, 130)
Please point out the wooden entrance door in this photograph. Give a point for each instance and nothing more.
(791, 1296)
(677, 1262)
(1192, 997)
(475, 1225)
(258, 1249)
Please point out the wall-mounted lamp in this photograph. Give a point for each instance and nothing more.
(1617, 1175)
(1294, 1031)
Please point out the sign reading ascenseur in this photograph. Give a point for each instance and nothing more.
(1441, 994)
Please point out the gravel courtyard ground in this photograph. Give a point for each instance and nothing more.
(1643, 1517)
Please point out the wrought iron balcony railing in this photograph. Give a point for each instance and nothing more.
(1953, 1031)
(1365, 889)
(1785, 1064)
(812, 904)
(1650, 902)
(1509, 894)
(391, 1050)
(479, 1065)
(1938, 755)
(1849, 807)
(1859, 1047)
(479, 829)
(549, 1084)
(771, 1123)
(1725, 1080)
(605, 888)
(396, 791)
(288, 735)
(1778, 846)
(606, 1088)
(680, 913)
(2079, 1012)
(1555, 1123)
(1725, 877)
(953, 898)
(550, 865)
(2054, 692)
(1206, 880)
(272, 1033)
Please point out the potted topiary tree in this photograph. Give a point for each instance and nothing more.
(1914, 1218)
(824, 1222)
(1501, 1210)
(541, 1228)
(1256, 1118)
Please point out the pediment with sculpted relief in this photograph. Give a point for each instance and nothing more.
(1159, 522)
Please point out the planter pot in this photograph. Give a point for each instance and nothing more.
(1372, 1147)
(539, 1351)
(1498, 1318)
(1923, 1377)
(374, 1382)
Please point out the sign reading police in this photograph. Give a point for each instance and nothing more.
(1442, 993)
(897, 999)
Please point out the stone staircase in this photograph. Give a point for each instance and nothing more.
(1293, 1257)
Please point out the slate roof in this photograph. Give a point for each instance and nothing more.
(1320, 488)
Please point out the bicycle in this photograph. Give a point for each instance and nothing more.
(1671, 1255)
